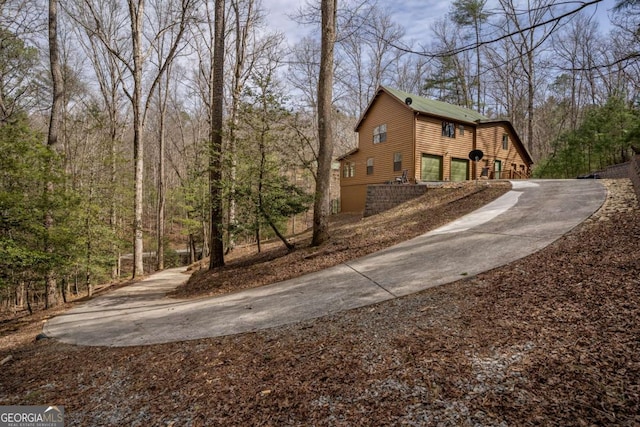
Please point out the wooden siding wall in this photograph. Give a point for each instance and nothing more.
(399, 121)
(429, 140)
(353, 198)
(490, 142)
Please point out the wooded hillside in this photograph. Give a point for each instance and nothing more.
(107, 109)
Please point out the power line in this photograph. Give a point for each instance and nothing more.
(554, 20)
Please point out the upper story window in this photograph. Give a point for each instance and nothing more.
(461, 130)
(505, 141)
(380, 134)
(449, 129)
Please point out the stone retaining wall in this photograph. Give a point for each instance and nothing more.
(383, 197)
(630, 169)
(616, 171)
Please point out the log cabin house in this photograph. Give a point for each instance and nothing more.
(408, 138)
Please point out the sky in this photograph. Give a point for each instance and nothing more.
(417, 16)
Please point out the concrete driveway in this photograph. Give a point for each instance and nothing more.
(526, 219)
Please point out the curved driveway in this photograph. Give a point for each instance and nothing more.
(526, 219)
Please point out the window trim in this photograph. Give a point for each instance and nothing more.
(448, 129)
(349, 170)
(397, 161)
(380, 133)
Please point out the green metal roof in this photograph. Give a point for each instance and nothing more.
(436, 108)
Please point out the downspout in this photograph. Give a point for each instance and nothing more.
(415, 154)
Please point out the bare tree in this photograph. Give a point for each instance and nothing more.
(365, 56)
(108, 71)
(471, 13)
(303, 73)
(576, 50)
(133, 57)
(528, 36)
(216, 96)
(449, 81)
(246, 16)
(321, 207)
(53, 143)
(162, 19)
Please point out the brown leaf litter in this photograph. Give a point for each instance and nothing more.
(551, 339)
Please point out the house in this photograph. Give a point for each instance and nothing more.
(423, 140)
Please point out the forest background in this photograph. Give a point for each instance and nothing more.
(123, 153)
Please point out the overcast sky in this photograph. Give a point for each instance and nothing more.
(416, 16)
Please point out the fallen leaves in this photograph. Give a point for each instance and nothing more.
(351, 237)
(551, 339)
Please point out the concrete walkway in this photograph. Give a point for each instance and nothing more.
(524, 220)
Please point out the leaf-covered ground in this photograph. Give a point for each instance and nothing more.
(351, 237)
(552, 339)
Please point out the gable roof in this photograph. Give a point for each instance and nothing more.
(527, 155)
(427, 106)
(436, 108)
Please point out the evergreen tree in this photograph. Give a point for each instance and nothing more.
(26, 167)
(605, 138)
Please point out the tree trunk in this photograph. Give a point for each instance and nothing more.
(261, 210)
(51, 298)
(530, 103)
(113, 218)
(479, 103)
(136, 14)
(193, 256)
(321, 206)
(20, 295)
(161, 184)
(89, 238)
(215, 140)
(242, 35)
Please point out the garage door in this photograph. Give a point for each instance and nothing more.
(431, 168)
(459, 169)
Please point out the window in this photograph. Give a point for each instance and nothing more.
(370, 166)
(380, 134)
(449, 129)
(397, 162)
(461, 130)
(505, 141)
(349, 170)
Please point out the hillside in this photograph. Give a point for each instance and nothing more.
(351, 237)
(551, 339)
